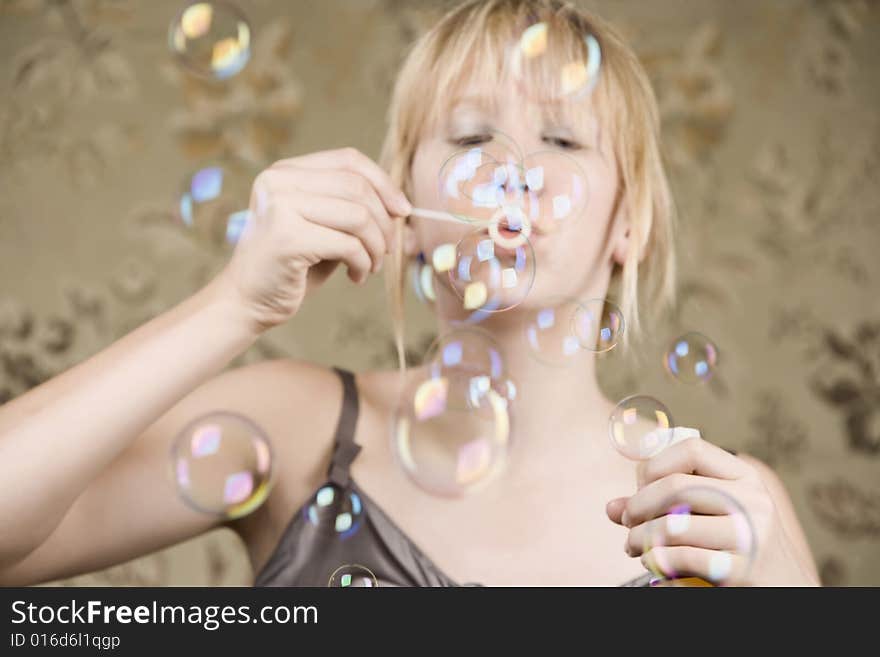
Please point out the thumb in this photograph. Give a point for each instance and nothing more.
(615, 509)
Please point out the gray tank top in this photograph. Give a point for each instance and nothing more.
(308, 553)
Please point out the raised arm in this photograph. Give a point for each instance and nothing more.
(79, 455)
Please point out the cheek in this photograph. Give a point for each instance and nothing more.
(593, 228)
(574, 256)
(431, 234)
(425, 192)
(603, 191)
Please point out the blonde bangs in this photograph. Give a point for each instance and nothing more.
(472, 47)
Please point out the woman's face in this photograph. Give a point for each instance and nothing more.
(574, 256)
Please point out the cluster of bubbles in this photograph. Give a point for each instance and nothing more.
(452, 429)
(640, 426)
(557, 332)
(212, 41)
(503, 195)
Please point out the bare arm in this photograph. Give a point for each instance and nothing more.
(57, 438)
(132, 507)
(82, 456)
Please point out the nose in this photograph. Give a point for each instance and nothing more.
(517, 181)
(534, 179)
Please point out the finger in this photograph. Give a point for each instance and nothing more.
(353, 160)
(717, 566)
(655, 499)
(328, 244)
(710, 532)
(690, 456)
(320, 272)
(348, 186)
(342, 215)
(615, 508)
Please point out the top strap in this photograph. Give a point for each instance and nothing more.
(345, 449)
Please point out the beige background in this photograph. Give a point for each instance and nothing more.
(772, 133)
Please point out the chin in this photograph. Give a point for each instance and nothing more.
(549, 290)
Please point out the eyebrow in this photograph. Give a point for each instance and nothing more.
(481, 102)
(588, 127)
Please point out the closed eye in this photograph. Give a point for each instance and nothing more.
(471, 140)
(562, 142)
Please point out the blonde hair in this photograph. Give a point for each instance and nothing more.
(474, 37)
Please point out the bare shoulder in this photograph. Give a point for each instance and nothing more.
(297, 404)
(294, 402)
(768, 475)
(379, 389)
(379, 392)
(787, 514)
(774, 485)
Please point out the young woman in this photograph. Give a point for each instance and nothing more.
(84, 455)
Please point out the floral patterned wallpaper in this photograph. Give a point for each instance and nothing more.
(773, 142)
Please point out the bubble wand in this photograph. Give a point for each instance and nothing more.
(440, 215)
(511, 217)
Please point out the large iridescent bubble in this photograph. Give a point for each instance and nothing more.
(451, 433)
(222, 464)
(452, 429)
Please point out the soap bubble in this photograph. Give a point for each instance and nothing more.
(598, 325)
(494, 183)
(213, 205)
(222, 464)
(353, 576)
(422, 278)
(558, 332)
(489, 277)
(482, 177)
(640, 427)
(471, 350)
(549, 66)
(707, 518)
(335, 510)
(451, 432)
(211, 39)
(550, 332)
(691, 358)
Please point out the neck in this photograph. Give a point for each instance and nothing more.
(557, 409)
